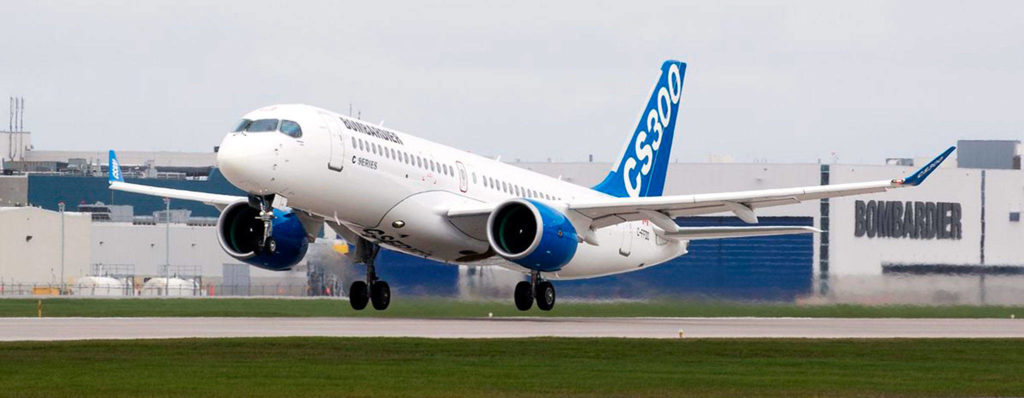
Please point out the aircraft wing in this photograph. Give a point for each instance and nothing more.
(662, 210)
(611, 211)
(117, 183)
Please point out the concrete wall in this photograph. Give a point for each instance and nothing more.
(13, 190)
(864, 255)
(1004, 239)
(144, 246)
(30, 245)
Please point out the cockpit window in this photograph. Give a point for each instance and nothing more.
(261, 125)
(242, 125)
(291, 128)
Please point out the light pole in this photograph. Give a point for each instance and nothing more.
(167, 242)
(60, 208)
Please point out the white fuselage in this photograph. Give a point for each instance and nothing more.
(365, 178)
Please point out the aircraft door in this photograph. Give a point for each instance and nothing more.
(337, 160)
(463, 177)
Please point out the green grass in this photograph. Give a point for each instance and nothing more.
(448, 308)
(384, 367)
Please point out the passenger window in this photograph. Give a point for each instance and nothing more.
(405, 156)
(291, 128)
(262, 125)
(361, 147)
(419, 161)
(242, 125)
(353, 142)
(474, 177)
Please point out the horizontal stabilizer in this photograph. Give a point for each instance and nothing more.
(213, 199)
(116, 179)
(696, 233)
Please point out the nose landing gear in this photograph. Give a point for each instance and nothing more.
(373, 290)
(536, 289)
(265, 205)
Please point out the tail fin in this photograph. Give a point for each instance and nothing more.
(641, 168)
(114, 169)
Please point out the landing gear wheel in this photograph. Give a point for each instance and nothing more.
(357, 295)
(270, 245)
(380, 295)
(523, 296)
(545, 296)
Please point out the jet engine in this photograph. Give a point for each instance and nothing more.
(532, 234)
(240, 232)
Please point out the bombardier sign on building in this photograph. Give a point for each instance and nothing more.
(914, 220)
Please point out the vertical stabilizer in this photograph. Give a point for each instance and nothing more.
(640, 169)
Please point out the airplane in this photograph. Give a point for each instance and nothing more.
(302, 167)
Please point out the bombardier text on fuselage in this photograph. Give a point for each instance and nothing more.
(304, 167)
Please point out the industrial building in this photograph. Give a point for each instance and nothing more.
(952, 240)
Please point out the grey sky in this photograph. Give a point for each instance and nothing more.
(785, 82)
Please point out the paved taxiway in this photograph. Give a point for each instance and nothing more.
(12, 329)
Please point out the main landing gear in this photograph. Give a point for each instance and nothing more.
(536, 289)
(264, 204)
(372, 290)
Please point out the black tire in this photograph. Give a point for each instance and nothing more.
(380, 295)
(270, 245)
(358, 295)
(523, 296)
(545, 296)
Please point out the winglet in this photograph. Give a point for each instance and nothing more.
(114, 169)
(918, 177)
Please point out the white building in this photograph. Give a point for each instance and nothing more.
(30, 245)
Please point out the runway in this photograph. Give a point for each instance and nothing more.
(51, 329)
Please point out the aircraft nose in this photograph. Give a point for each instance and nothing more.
(247, 162)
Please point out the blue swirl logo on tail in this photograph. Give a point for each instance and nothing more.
(641, 169)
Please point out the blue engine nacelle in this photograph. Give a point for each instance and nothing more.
(531, 234)
(240, 232)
